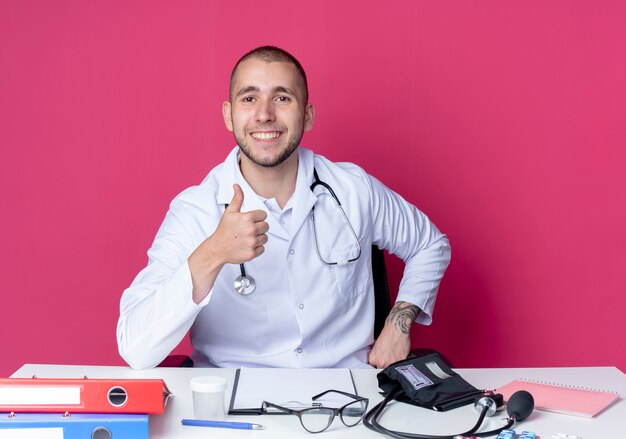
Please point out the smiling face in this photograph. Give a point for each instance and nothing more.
(267, 111)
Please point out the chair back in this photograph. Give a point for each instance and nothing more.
(382, 301)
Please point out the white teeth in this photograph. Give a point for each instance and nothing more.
(265, 136)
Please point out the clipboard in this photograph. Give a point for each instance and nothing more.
(252, 386)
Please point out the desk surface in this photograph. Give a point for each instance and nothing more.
(400, 417)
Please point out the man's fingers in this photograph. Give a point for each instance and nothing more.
(259, 251)
(262, 228)
(373, 361)
(237, 201)
(262, 240)
(257, 215)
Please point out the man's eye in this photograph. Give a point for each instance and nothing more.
(247, 99)
(283, 99)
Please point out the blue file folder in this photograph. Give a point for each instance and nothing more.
(81, 425)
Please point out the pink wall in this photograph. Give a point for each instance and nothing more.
(504, 121)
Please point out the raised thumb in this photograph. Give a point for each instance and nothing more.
(237, 201)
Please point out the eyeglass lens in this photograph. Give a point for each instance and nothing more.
(352, 413)
(316, 419)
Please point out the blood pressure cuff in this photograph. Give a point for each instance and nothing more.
(427, 381)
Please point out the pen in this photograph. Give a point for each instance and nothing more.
(222, 424)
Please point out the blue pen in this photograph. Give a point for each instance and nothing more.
(222, 424)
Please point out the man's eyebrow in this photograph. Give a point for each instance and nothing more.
(281, 89)
(247, 89)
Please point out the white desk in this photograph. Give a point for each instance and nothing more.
(607, 425)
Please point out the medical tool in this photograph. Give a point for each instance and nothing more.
(428, 381)
(245, 284)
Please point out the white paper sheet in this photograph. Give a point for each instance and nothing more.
(39, 395)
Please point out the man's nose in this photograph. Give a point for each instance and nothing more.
(265, 112)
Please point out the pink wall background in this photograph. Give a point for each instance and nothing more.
(504, 121)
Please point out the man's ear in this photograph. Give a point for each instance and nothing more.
(309, 116)
(228, 120)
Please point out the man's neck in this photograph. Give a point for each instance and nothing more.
(277, 182)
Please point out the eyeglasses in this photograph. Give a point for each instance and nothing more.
(317, 419)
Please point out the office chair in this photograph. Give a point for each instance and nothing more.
(381, 308)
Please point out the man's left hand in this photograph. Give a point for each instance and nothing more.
(392, 345)
(394, 342)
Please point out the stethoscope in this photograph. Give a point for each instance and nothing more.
(245, 284)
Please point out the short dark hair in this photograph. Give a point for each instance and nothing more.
(273, 54)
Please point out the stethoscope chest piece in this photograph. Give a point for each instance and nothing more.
(245, 285)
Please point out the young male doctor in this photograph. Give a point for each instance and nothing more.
(306, 299)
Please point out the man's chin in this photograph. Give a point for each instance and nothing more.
(268, 161)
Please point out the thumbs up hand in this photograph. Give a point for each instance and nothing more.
(241, 235)
(237, 201)
(238, 238)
